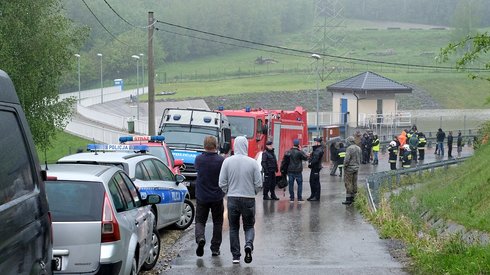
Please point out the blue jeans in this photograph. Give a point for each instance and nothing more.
(298, 176)
(244, 207)
(440, 146)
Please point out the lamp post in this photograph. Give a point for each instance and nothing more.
(137, 88)
(101, 80)
(79, 86)
(317, 57)
(142, 73)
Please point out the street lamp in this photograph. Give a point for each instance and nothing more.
(137, 88)
(101, 80)
(79, 86)
(142, 72)
(317, 57)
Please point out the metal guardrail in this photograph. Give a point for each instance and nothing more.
(392, 178)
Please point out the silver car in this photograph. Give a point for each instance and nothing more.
(101, 224)
(151, 176)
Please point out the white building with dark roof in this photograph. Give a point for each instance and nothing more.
(367, 98)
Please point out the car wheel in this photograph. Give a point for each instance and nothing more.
(152, 259)
(134, 267)
(187, 216)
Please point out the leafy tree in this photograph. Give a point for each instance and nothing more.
(37, 46)
(476, 52)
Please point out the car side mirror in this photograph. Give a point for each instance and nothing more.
(179, 178)
(178, 162)
(152, 199)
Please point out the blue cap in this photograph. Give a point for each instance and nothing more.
(296, 142)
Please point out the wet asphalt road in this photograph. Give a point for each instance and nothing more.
(322, 237)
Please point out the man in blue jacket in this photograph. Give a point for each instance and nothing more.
(209, 196)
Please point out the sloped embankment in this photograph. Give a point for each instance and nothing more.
(444, 222)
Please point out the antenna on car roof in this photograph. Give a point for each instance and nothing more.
(45, 160)
(93, 139)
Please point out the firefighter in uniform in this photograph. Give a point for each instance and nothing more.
(340, 158)
(407, 156)
(393, 154)
(375, 146)
(421, 146)
(315, 164)
(269, 166)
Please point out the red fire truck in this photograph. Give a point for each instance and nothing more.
(259, 126)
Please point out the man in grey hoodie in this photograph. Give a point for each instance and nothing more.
(241, 180)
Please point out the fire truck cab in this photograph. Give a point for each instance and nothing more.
(259, 126)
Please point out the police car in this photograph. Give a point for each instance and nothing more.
(149, 174)
(157, 147)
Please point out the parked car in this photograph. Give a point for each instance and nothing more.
(157, 147)
(101, 223)
(25, 230)
(150, 175)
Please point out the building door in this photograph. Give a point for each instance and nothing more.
(379, 111)
(343, 111)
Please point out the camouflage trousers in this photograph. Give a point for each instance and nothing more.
(350, 181)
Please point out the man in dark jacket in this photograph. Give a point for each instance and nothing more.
(334, 155)
(295, 169)
(209, 196)
(440, 136)
(459, 143)
(315, 164)
(269, 167)
(450, 144)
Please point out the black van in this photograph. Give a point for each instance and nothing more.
(25, 223)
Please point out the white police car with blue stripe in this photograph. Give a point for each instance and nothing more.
(150, 175)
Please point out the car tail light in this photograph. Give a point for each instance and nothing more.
(110, 227)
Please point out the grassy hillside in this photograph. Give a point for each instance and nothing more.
(458, 195)
(64, 144)
(237, 73)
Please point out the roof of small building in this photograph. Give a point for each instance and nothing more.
(369, 82)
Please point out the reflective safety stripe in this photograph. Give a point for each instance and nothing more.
(392, 161)
(167, 196)
(342, 154)
(406, 166)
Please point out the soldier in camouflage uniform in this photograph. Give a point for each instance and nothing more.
(352, 161)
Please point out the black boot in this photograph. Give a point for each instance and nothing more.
(348, 201)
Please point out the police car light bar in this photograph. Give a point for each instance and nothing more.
(141, 138)
(116, 147)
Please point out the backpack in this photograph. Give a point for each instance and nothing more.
(283, 181)
(285, 163)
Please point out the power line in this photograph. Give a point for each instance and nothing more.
(123, 19)
(227, 43)
(104, 26)
(309, 52)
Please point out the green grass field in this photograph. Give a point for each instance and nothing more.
(235, 72)
(64, 144)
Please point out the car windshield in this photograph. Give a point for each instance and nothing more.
(188, 137)
(78, 201)
(241, 126)
(159, 153)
